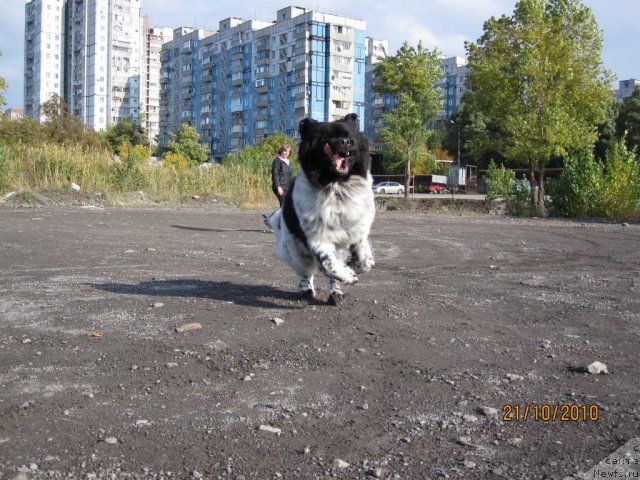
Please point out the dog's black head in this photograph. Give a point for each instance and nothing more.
(333, 151)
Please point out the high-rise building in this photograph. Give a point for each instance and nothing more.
(453, 84)
(181, 95)
(376, 103)
(626, 88)
(98, 55)
(251, 79)
(104, 60)
(44, 53)
(153, 39)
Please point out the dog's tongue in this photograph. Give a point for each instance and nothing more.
(339, 161)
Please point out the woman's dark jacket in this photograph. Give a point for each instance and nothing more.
(281, 175)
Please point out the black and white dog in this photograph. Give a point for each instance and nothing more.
(327, 215)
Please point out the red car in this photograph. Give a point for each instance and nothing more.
(435, 188)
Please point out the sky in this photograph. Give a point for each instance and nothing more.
(441, 24)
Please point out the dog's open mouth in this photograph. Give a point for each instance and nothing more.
(339, 158)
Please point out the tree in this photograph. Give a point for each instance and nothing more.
(185, 143)
(537, 83)
(63, 128)
(411, 76)
(126, 131)
(3, 88)
(628, 122)
(606, 132)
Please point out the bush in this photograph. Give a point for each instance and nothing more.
(185, 142)
(621, 187)
(500, 181)
(588, 188)
(175, 161)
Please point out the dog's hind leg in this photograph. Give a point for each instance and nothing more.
(335, 292)
(305, 287)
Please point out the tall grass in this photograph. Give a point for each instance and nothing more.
(46, 167)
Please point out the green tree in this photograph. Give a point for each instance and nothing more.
(125, 131)
(185, 143)
(257, 158)
(411, 76)
(536, 80)
(63, 128)
(3, 88)
(606, 132)
(628, 122)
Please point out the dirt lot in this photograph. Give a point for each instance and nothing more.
(460, 313)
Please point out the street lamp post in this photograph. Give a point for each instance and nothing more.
(458, 127)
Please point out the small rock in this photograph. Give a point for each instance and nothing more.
(270, 429)
(151, 249)
(488, 411)
(75, 187)
(218, 346)
(195, 197)
(247, 378)
(171, 365)
(466, 442)
(26, 340)
(515, 441)
(469, 464)
(21, 476)
(597, 368)
(277, 321)
(158, 305)
(339, 463)
(111, 440)
(188, 327)
(469, 418)
(514, 378)
(376, 472)
(625, 224)
(141, 422)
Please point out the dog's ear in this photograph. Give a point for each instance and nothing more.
(306, 126)
(352, 119)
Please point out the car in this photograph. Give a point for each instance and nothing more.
(435, 188)
(388, 187)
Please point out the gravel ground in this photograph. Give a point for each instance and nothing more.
(167, 342)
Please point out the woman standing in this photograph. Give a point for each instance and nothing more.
(281, 174)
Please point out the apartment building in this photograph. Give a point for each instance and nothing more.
(454, 84)
(376, 104)
(181, 95)
(626, 88)
(104, 60)
(153, 39)
(99, 55)
(44, 53)
(251, 79)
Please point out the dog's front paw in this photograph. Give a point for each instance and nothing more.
(345, 275)
(363, 266)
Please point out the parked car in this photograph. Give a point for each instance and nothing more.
(434, 188)
(388, 187)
